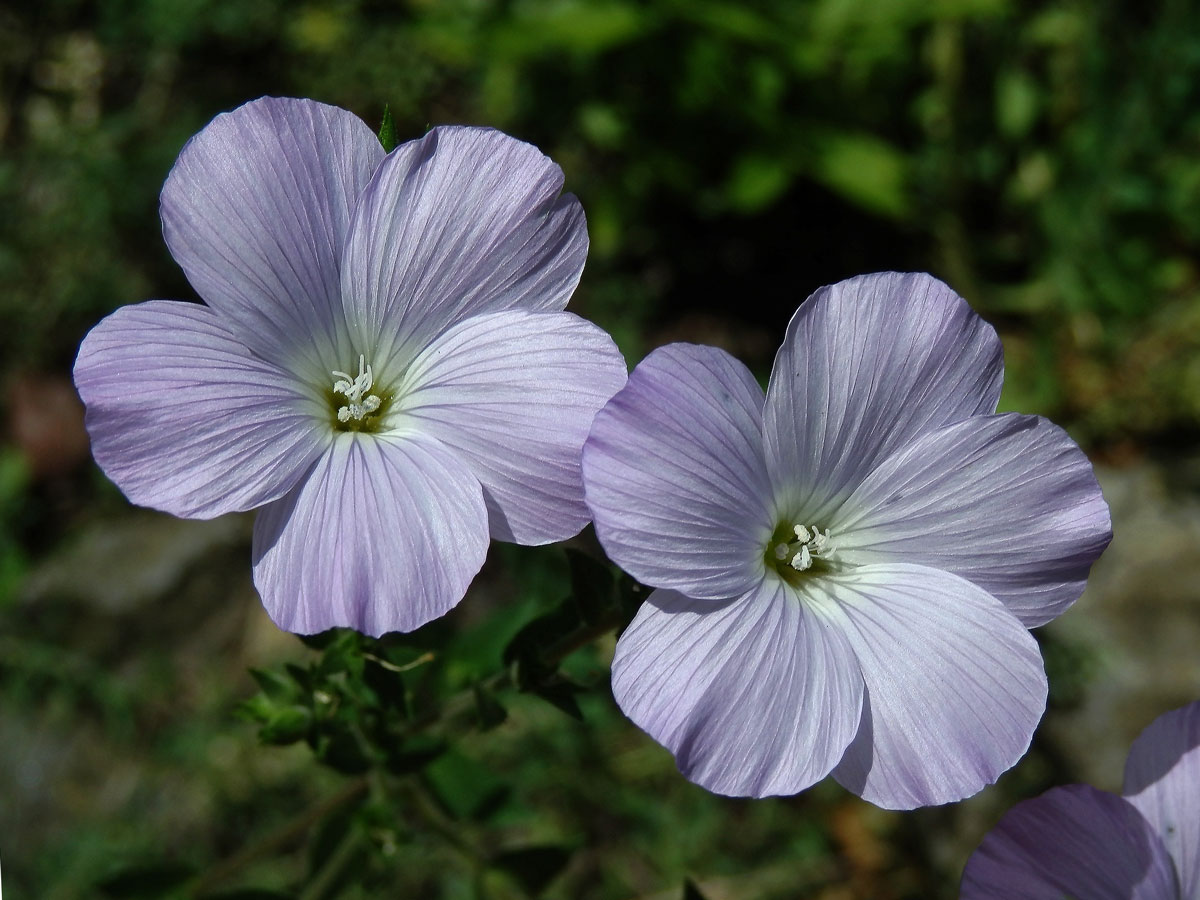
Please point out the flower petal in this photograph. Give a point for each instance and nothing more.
(757, 697)
(463, 221)
(183, 417)
(384, 535)
(1162, 779)
(514, 394)
(675, 477)
(868, 365)
(1072, 841)
(256, 211)
(955, 684)
(1008, 502)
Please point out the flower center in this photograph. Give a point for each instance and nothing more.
(795, 549)
(360, 404)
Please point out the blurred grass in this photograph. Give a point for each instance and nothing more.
(731, 157)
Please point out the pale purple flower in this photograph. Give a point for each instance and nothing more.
(848, 566)
(383, 364)
(1088, 844)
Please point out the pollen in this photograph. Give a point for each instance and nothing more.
(360, 403)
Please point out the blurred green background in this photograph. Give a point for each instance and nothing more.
(1043, 158)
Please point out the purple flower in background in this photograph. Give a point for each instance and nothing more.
(1079, 842)
(383, 364)
(848, 566)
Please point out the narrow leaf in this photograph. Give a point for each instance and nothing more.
(387, 130)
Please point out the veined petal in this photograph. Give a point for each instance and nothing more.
(514, 394)
(460, 222)
(955, 684)
(868, 365)
(1008, 502)
(756, 697)
(1162, 779)
(1072, 841)
(385, 534)
(675, 478)
(256, 210)
(183, 417)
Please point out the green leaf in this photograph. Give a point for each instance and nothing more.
(274, 685)
(527, 644)
(533, 867)
(387, 130)
(249, 894)
(301, 675)
(756, 182)
(153, 880)
(466, 788)
(491, 713)
(286, 726)
(592, 586)
(344, 752)
(1017, 103)
(559, 692)
(864, 170)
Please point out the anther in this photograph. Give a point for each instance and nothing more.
(354, 388)
(809, 545)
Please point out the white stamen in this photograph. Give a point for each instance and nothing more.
(803, 559)
(809, 545)
(354, 388)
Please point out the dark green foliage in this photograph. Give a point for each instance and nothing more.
(533, 867)
(491, 713)
(153, 880)
(593, 587)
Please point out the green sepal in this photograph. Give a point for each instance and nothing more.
(387, 130)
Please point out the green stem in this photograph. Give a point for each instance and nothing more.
(333, 867)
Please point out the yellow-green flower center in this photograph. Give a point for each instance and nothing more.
(796, 551)
(355, 402)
